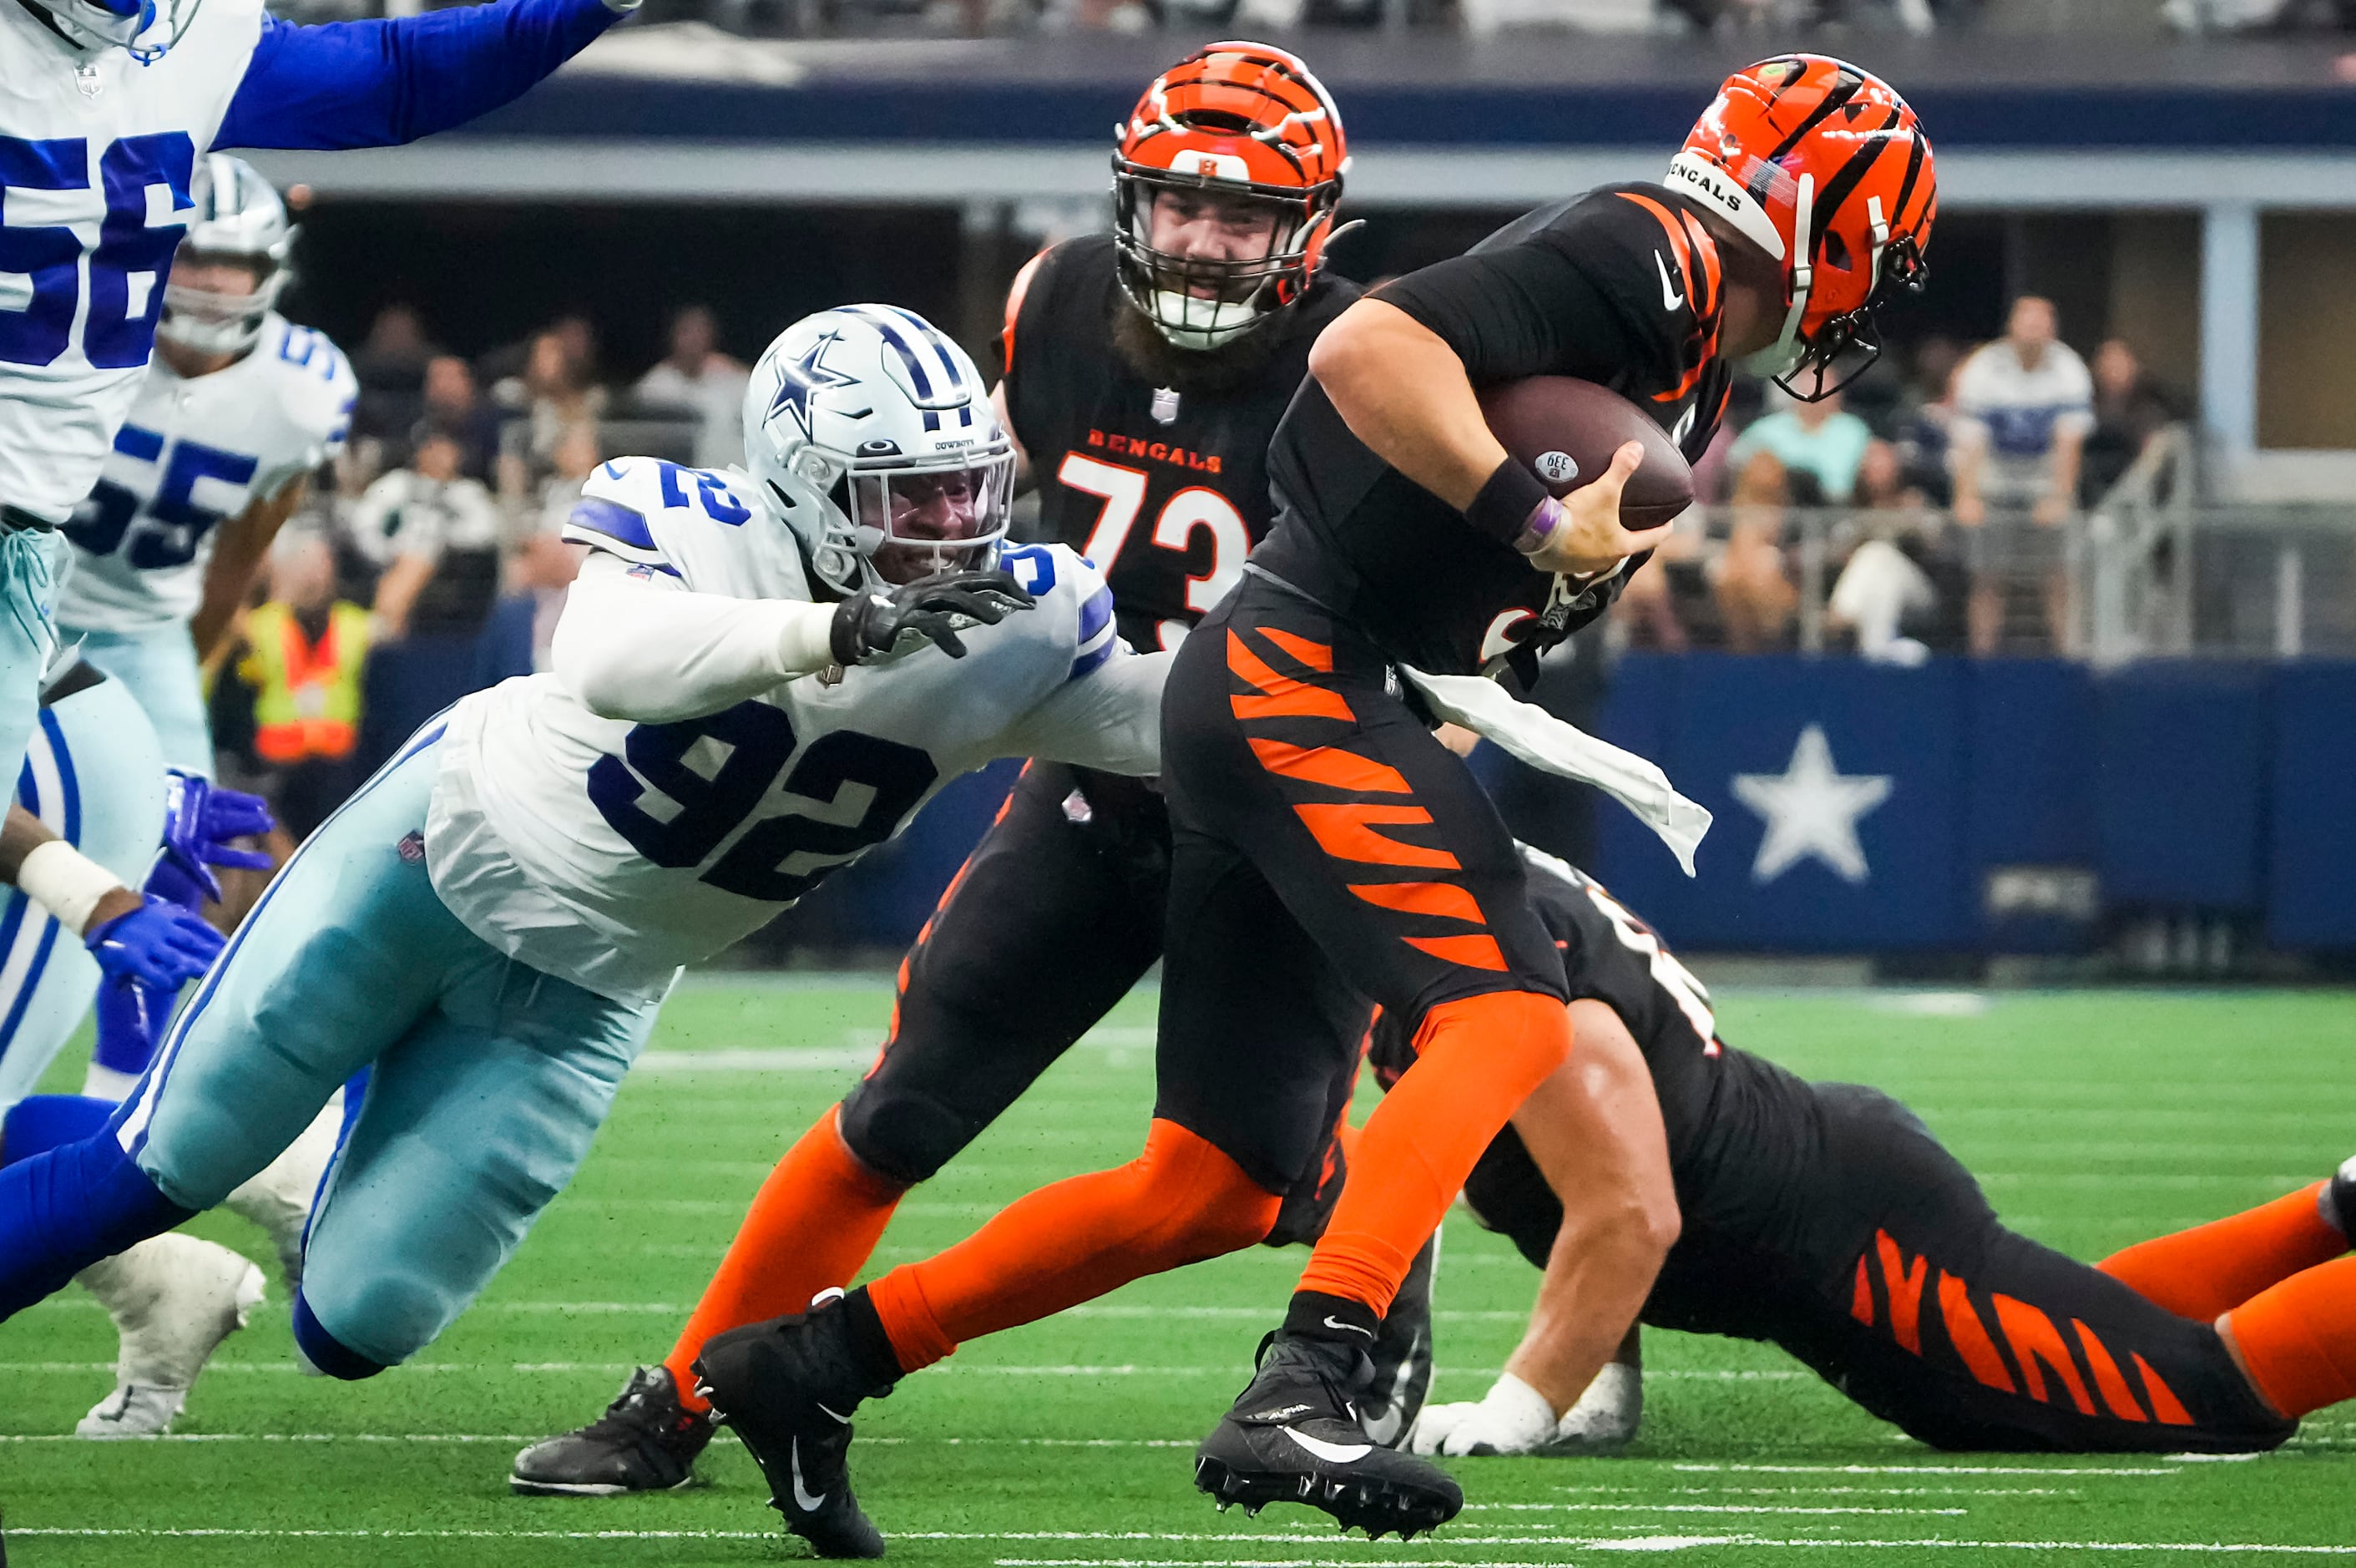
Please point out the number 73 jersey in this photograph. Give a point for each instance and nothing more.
(610, 853)
(192, 455)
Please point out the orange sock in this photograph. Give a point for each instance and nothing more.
(1179, 1202)
(2213, 1268)
(810, 1228)
(1476, 1061)
(2298, 1339)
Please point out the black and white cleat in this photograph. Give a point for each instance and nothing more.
(1294, 1436)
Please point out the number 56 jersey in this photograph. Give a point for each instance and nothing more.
(610, 853)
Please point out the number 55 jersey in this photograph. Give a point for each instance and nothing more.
(610, 852)
(193, 454)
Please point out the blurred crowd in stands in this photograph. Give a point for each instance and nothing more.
(430, 563)
(1785, 19)
(1925, 510)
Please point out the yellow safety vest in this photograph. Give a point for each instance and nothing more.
(306, 695)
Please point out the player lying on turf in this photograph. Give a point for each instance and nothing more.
(1145, 370)
(1824, 1218)
(758, 677)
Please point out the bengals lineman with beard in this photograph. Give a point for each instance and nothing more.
(1146, 369)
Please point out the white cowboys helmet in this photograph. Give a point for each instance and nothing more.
(238, 218)
(145, 28)
(871, 434)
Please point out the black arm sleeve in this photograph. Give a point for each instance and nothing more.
(1523, 309)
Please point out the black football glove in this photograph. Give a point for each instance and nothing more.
(868, 625)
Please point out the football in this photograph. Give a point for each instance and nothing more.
(1567, 430)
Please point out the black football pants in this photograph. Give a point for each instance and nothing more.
(1055, 916)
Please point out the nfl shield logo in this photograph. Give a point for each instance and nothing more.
(1165, 406)
(412, 848)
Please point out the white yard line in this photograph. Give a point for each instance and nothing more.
(1706, 1507)
(1920, 1470)
(1654, 1543)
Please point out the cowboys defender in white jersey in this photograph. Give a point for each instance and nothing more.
(238, 408)
(105, 106)
(757, 677)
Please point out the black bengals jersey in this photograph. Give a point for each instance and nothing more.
(1725, 1111)
(1825, 1218)
(1620, 286)
(1164, 488)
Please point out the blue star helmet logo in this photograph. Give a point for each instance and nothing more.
(802, 379)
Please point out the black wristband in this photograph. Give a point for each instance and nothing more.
(1503, 505)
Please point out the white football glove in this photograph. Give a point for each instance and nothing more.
(1515, 1419)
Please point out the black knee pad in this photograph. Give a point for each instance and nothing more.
(901, 1135)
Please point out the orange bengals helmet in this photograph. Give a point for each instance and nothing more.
(1246, 126)
(1823, 166)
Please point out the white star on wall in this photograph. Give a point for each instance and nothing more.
(1811, 809)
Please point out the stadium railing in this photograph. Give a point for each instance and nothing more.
(2151, 571)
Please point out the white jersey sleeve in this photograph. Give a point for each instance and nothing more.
(1105, 713)
(609, 851)
(636, 643)
(1108, 719)
(315, 390)
(191, 455)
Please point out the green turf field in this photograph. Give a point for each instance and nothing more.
(2094, 1119)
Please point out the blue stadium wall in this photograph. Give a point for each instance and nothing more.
(2218, 788)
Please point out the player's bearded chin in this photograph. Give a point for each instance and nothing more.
(1200, 373)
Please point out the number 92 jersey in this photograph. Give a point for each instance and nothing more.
(610, 853)
(192, 455)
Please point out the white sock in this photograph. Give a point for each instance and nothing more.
(106, 1083)
(279, 1199)
(2328, 1207)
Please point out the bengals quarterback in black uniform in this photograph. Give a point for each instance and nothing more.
(1321, 833)
(1145, 370)
(1825, 1218)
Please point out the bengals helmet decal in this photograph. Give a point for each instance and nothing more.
(1824, 167)
(1244, 126)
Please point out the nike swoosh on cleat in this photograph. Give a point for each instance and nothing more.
(802, 1498)
(1351, 1328)
(844, 1419)
(1332, 1452)
(1670, 298)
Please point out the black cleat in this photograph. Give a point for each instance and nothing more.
(2340, 1198)
(1294, 1437)
(646, 1441)
(788, 1388)
(1402, 1356)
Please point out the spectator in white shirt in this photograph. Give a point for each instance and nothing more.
(697, 377)
(2024, 405)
